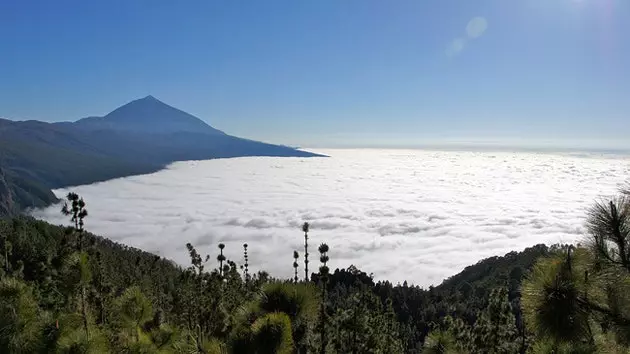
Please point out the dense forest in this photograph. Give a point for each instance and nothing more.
(65, 290)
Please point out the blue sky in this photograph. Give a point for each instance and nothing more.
(331, 72)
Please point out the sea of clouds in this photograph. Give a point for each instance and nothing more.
(414, 215)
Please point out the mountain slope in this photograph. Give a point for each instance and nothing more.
(140, 137)
(20, 192)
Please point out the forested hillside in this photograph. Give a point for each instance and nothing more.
(17, 193)
(140, 137)
(68, 291)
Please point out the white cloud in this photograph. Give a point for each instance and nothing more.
(476, 27)
(404, 215)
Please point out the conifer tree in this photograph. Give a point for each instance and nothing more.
(495, 329)
(77, 212)
(21, 321)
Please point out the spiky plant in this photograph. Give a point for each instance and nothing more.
(546, 346)
(246, 268)
(551, 299)
(272, 334)
(76, 342)
(323, 271)
(73, 339)
(305, 228)
(133, 309)
(323, 251)
(609, 230)
(299, 301)
(197, 346)
(296, 255)
(221, 258)
(609, 240)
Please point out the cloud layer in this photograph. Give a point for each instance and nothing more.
(404, 215)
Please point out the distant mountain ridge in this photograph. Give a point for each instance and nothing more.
(139, 137)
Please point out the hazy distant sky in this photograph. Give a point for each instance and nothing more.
(331, 72)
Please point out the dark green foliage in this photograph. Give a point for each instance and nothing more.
(271, 334)
(493, 332)
(577, 299)
(462, 296)
(361, 323)
(22, 323)
(495, 329)
(551, 300)
(138, 302)
(70, 291)
(297, 301)
(440, 342)
(609, 227)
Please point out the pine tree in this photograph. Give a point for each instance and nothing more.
(77, 212)
(495, 329)
(22, 323)
(133, 310)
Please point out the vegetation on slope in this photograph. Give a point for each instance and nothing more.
(575, 300)
(18, 193)
(140, 137)
(68, 291)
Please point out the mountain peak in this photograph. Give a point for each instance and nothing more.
(149, 98)
(148, 115)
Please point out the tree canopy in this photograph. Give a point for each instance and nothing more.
(63, 289)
